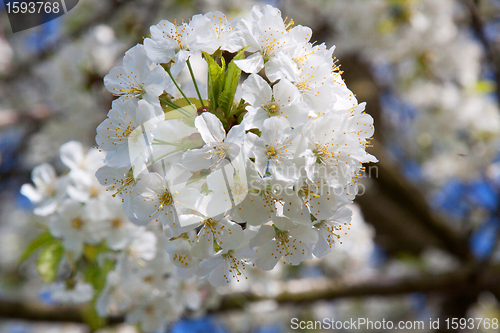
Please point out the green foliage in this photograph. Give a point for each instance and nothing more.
(222, 83)
(92, 251)
(239, 110)
(215, 80)
(255, 131)
(185, 111)
(231, 80)
(48, 261)
(95, 273)
(42, 240)
(92, 319)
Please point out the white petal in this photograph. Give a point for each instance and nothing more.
(189, 221)
(204, 247)
(230, 236)
(30, 192)
(208, 265)
(220, 276)
(264, 235)
(157, 52)
(210, 128)
(71, 154)
(304, 234)
(156, 81)
(198, 159)
(267, 256)
(256, 90)
(252, 64)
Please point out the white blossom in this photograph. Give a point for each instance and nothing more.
(138, 77)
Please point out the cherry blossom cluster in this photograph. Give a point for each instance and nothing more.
(234, 181)
(91, 252)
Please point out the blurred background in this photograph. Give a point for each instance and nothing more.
(424, 238)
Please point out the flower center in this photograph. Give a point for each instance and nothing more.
(272, 109)
(133, 90)
(304, 84)
(227, 255)
(221, 150)
(125, 182)
(166, 199)
(178, 35)
(306, 193)
(210, 222)
(282, 238)
(321, 152)
(268, 50)
(77, 223)
(149, 279)
(117, 223)
(271, 152)
(331, 230)
(222, 28)
(94, 192)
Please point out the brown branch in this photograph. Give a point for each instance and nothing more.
(39, 312)
(311, 290)
(447, 283)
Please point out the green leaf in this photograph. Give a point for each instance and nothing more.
(92, 251)
(255, 131)
(240, 117)
(92, 319)
(43, 239)
(231, 80)
(238, 109)
(48, 261)
(222, 117)
(215, 80)
(96, 275)
(186, 112)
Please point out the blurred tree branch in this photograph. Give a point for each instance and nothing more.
(477, 25)
(300, 292)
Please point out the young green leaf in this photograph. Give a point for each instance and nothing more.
(91, 252)
(215, 80)
(43, 239)
(92, 319)
(186, 112)
(231, 80)
(48, 261)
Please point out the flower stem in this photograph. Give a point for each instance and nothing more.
(178, 88)
(177, 107)
(194, 82)
(171, 104)
(162, 156)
